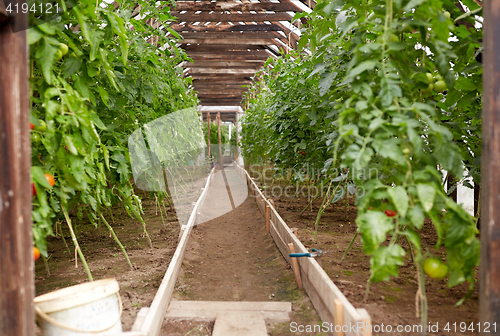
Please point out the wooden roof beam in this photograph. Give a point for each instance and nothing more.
(233, 17)
(232, 35)
(232, 41)
(221, 47)
(218, 95)
(228, 64)
(231, 71)
(283, 6)
(225, 27)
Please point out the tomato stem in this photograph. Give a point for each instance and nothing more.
(422, 297)
(77, 246)
(349, 247)
(117, 240)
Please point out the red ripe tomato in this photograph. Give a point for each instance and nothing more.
(33, 189)
(32, 126)
(36, 253)
(50, 179)
(390, 213)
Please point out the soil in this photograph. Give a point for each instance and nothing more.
(389, 303)
(105, 259)
(231, 258)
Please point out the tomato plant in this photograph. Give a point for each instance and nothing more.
(95, 80)
(382, 102)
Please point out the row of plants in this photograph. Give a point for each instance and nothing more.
(383, 96)
(96, 77)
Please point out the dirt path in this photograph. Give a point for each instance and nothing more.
(231, 258)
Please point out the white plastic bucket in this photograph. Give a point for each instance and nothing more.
(92, 308)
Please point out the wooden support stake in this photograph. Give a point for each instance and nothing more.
(489, 286)
(268, 214)
(367, 322)
(338, 317)
(208, 123)
(17, 285)
(221, 163)
(295, 266)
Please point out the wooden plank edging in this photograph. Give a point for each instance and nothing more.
(323, 293)
(156, 313)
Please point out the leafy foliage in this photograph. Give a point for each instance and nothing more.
(109, 84)
(380, 96)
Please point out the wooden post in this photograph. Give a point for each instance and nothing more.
(367, 321)
(477, 204)
(268, 214)
(338, 317)
(220, 145)
(237, 149)
(489, 287)
(16, 239)
(221, 164)
(208, 124)
(295, 266)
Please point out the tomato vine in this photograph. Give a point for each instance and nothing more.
(94, 80)
(390, 93)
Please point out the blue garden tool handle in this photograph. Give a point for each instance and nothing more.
(316, 250)
(296, 255)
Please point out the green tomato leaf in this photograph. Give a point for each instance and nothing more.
(426, 194)
(400, 199)
(34, 35)
(104, 95)
(68, 140)
(416, 216)
(39, 177)
(385, 262)
(71, 65)
(373, 226)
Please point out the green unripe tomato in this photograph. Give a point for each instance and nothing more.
(439, 77)
(406, 151)
(447, 14)
(440, 86)
(435, 268)
(59, 54)
(35, 137)
(430, 79)
(429, 88)
(64, 48)
(42, 126)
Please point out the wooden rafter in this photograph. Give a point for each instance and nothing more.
(232, 41)
(232, 71)
(226, 48)
(283, 6)
(225, 27)
(232, 17)
(225, 64)
(231, 35)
